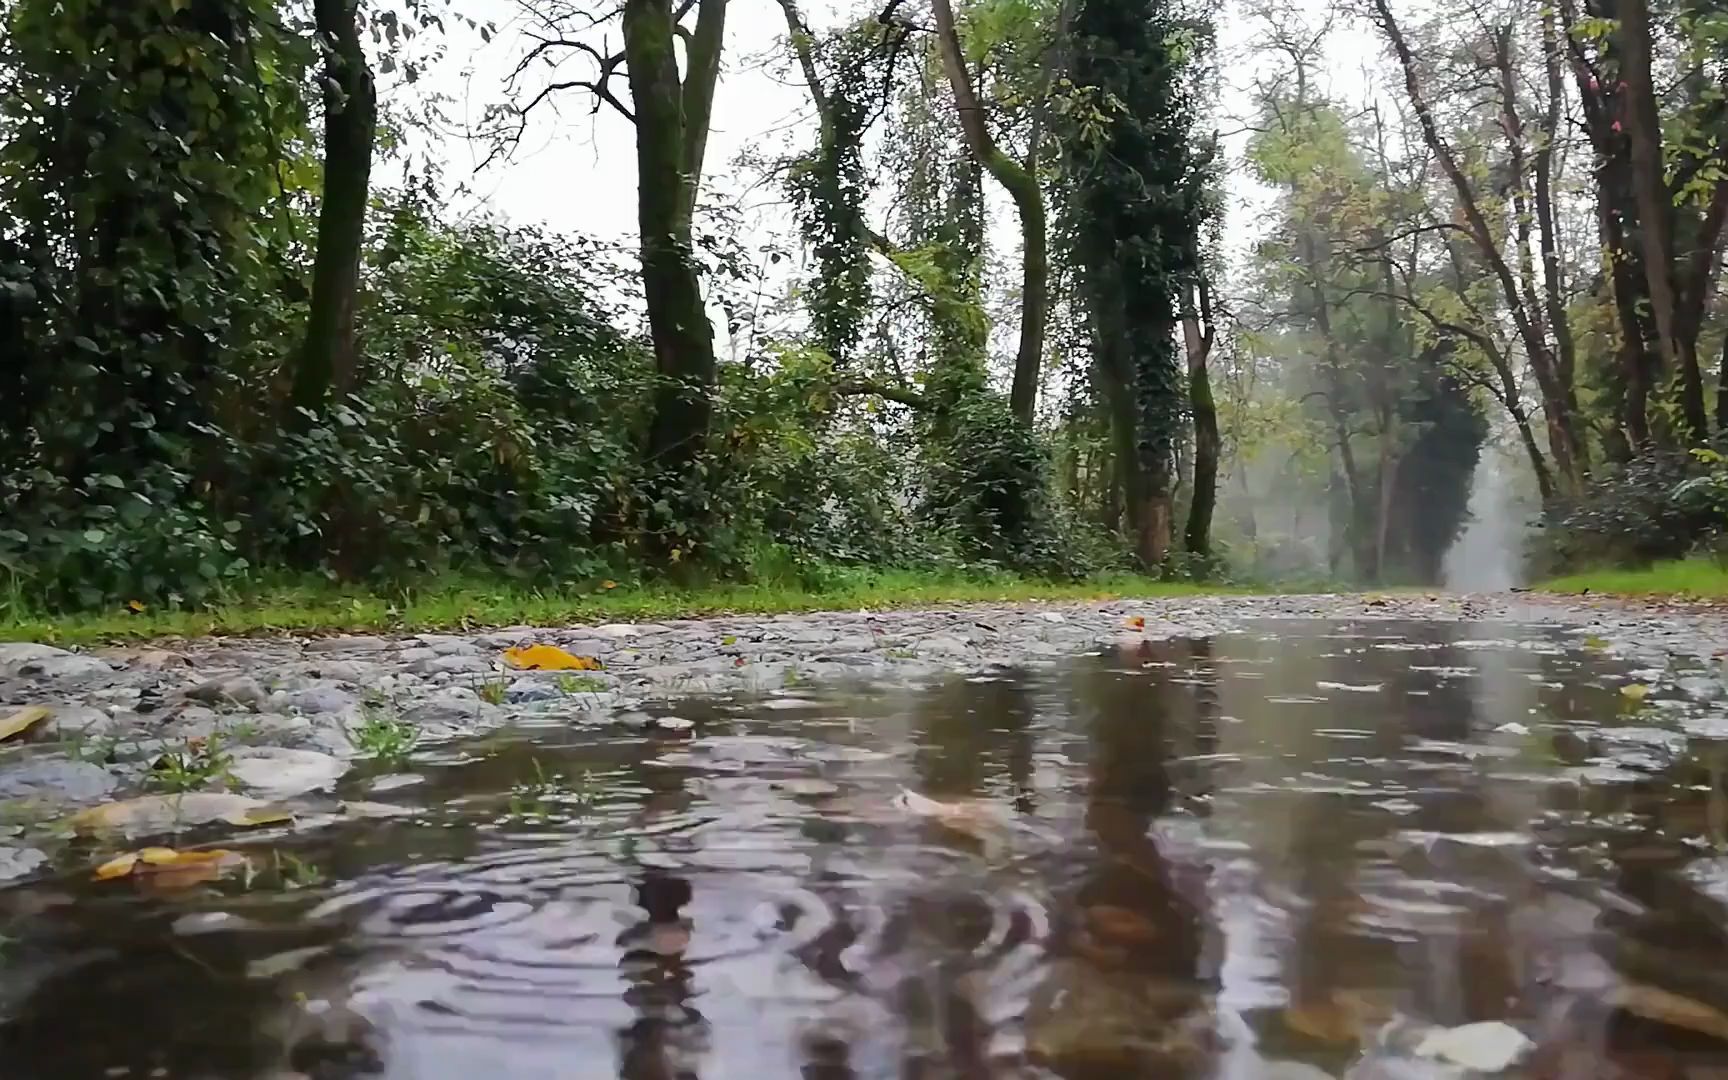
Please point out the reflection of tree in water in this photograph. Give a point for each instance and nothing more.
(669, 1036)
(1125, 994)
(968, 734)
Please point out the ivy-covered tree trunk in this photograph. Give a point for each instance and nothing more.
(1021, 184)
(1198, 336)
(327, 358)
(666, 153)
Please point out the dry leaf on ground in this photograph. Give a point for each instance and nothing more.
(22, 719)
(167, 868)
(165, 813)
(549, 658)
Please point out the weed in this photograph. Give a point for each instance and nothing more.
(580, 684)
(546, 793)
(383, 737)
(791, 678)
(296, 873)
(492, 691)
(195, 765)
(95, 749)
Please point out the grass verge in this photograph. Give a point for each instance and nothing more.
(465, 605)
(1679, 579)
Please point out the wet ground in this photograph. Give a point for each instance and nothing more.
(1304, 848)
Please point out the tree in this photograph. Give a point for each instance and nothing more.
(1021, 183)
(1135, 216)
(326, 358)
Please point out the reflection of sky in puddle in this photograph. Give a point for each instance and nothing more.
(1185, 858)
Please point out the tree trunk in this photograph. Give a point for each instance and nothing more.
(1198, 535)
(1552, 284)
(326, 360)
(1722, 390)
(1022, 185)
(677, 318)
(1656, 212)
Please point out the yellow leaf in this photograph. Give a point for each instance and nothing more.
(729, 639)
(167, 868)
(135, 606)
(265, 816)
(1595, 643)
(608, 584)
(22, 719)
(117, 867)
(1137, 623)
(549, 658)
(1634, 692)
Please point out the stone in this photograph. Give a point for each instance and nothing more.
(56, 780)
(454, 664)
(278, 772)
(88, 722)
(14, 655)
(17, 862)
(527, 690)
(457, 708)
(357, 643)
(62, 666)
(1489, 1046)
(234, 690)
(315, 699)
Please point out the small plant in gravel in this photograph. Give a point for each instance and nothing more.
(95, 749)
(492, 691)
(580, 684)
(197, 764)
(383, 737)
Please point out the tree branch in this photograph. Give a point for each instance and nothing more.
(912, 399)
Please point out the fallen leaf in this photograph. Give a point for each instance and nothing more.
(608, 584)
(729, 639)
(1138, 622)
(168, 868)
(22, 719)
(116, 867)
(136, 607)
(976, 818)
(1635, 692)
(1594, 642)
(1664, 1007)
(166, 813)
(549, 658)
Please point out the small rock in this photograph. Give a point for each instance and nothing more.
(16, 654)
(57, 780)
(315, 699)
(454, 708)
(67, 666)
(87, 722)
(452, 664)
(277, 772)
(526, 690)
(357, 643)
(673, 723)
(1489, 1046)
(235, 690)
(17, 862)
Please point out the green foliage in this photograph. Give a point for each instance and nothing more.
(384, 738)
(1659, 506)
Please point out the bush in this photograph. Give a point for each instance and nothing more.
(1660, 505)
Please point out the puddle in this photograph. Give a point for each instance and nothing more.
(1335, 847)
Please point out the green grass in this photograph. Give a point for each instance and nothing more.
(1682, 579)
(465, 605)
